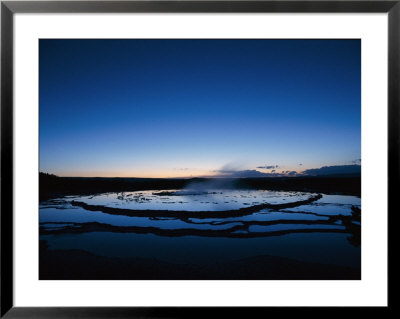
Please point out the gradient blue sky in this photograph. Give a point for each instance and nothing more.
(169, 108)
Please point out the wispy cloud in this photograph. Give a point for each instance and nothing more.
(268, 166)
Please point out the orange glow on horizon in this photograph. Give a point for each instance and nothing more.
(175, 173)
(142, 174)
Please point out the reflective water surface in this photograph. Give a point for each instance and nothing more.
(303, 226)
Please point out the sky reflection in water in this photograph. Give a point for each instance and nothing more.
(60, 222)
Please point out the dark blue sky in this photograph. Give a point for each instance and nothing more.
(192, 107)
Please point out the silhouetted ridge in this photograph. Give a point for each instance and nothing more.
(51, 186)
(338, 170)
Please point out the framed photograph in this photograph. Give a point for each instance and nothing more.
(159, 156)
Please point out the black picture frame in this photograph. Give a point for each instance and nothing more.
(9, 8)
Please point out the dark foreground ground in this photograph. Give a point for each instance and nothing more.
(51, 186)
(82, 265)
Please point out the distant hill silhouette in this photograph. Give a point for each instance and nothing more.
(339, 170)
(52, 186)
